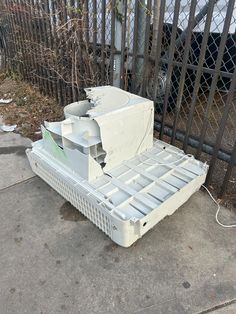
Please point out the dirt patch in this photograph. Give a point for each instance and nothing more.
(70, 213)
(29, 109)
(110, 247)
(8, 87)
(19, 150)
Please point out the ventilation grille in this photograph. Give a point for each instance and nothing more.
(71, 193)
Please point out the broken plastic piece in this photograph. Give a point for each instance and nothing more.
(109, 127)
(7, 128)
(5, 101)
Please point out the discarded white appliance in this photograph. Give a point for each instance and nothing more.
(99, 133)
(103, 160)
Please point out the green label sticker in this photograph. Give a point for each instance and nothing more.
(56, 151)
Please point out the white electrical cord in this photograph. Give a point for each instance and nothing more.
(218, 210)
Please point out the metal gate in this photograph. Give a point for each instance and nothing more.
(180, 53)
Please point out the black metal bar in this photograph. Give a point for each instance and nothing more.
(159, 44)
(25, 32)
(37, 45)
(38, 35)
(68, 90)
(44, 41)
(86, 21)
(95, 37)
(65, 53)
(179, 64)
(227, 107)
(71, 14)
(30, 40)
(18, 23)
(146, 50)
(113, 16)
(123, 42)
(170, 62)
(41, 47)
(216, 75)
(4, 49)
(51, 47)
(62, 39)
(14, 35)
(14, 28)
(79, 53)
(47, 32)
(55, 49)
(187, 46)
(7, 29)
(11, 49)
(33, 32)
(103, 41)
(194, 142)
(47, 35)
(197, 19)
(228, 172)
(199, 71)
(135, 45)
(195, 67)
(70, 51)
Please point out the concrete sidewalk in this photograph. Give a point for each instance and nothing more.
(53, 260)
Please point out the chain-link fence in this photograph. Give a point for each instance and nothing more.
(180, 53)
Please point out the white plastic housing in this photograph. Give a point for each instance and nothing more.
(102, 159)
(134, 196)
(101, 132)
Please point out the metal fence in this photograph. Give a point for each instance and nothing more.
(180, 53)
